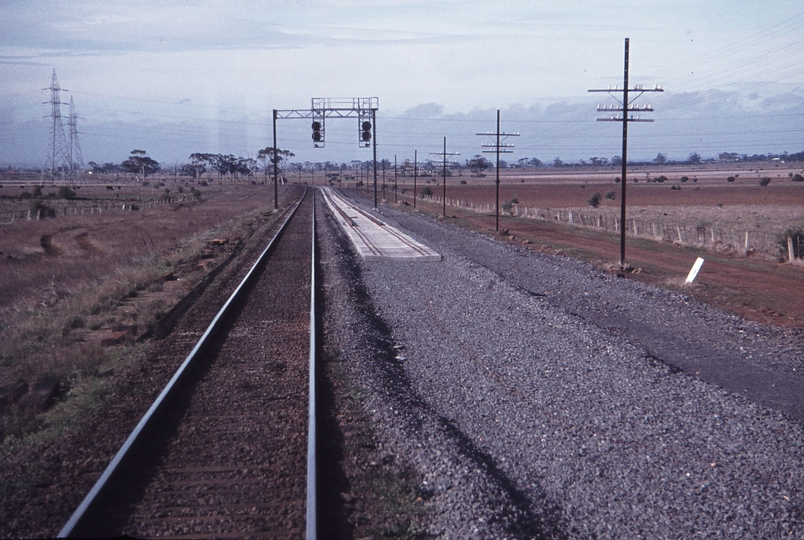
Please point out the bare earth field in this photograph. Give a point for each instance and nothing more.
(758, 286)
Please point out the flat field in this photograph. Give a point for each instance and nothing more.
(108, 266)
(756, 284)
(706, 197)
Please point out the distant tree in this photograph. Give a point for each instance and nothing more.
(594, 200)
(660, 159)
(598, 161)
(193, 170)
(267, 157)
(694, 158)
(140, 164)
(557, 162)
(616, 160)
(478, 164)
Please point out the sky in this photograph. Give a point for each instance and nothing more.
(177, 77)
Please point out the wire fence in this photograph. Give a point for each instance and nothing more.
(83, 208)
(750, 242)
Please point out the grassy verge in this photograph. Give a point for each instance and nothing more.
(61, 341)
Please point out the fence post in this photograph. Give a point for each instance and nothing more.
(790, 250)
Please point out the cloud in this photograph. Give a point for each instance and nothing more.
(426, 110)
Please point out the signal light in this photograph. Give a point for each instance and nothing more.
(318, 132)
(365, 133)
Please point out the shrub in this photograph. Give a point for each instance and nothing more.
(594, 200)
(730, 179)
(65, 193)
(76, 322)
(662, 178)
(617, 180)
(797, 178)
(426, 192)
(685, 178)
(508, 205)
(38, 208)
(610, 195)
(765, 181)
(37, 191)
(203, 183)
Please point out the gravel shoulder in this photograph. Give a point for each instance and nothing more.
(538, 397)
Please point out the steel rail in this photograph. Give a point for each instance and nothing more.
(312, 480)
(101, 483)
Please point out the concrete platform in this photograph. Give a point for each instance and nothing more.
(374, 239)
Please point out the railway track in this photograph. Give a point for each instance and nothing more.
(227, 450)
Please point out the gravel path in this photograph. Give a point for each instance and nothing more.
(540, 398)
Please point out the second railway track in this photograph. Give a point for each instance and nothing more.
(225, 454)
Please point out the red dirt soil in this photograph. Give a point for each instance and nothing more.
(767, 292)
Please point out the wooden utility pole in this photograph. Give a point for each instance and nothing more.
(498, 148)
(445, 159)
(622, 115)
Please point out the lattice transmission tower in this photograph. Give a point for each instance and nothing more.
(58, 161)
(74, 146)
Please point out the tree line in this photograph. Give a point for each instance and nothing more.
(235, 167)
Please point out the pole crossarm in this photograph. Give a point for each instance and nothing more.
(620, 108)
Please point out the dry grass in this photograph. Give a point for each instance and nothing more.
(104, 275)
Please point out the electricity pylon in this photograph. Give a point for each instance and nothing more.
(57, 159)
(76, 158)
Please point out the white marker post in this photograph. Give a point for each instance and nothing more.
(695, 269)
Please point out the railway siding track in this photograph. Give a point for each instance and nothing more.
(221, 453)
